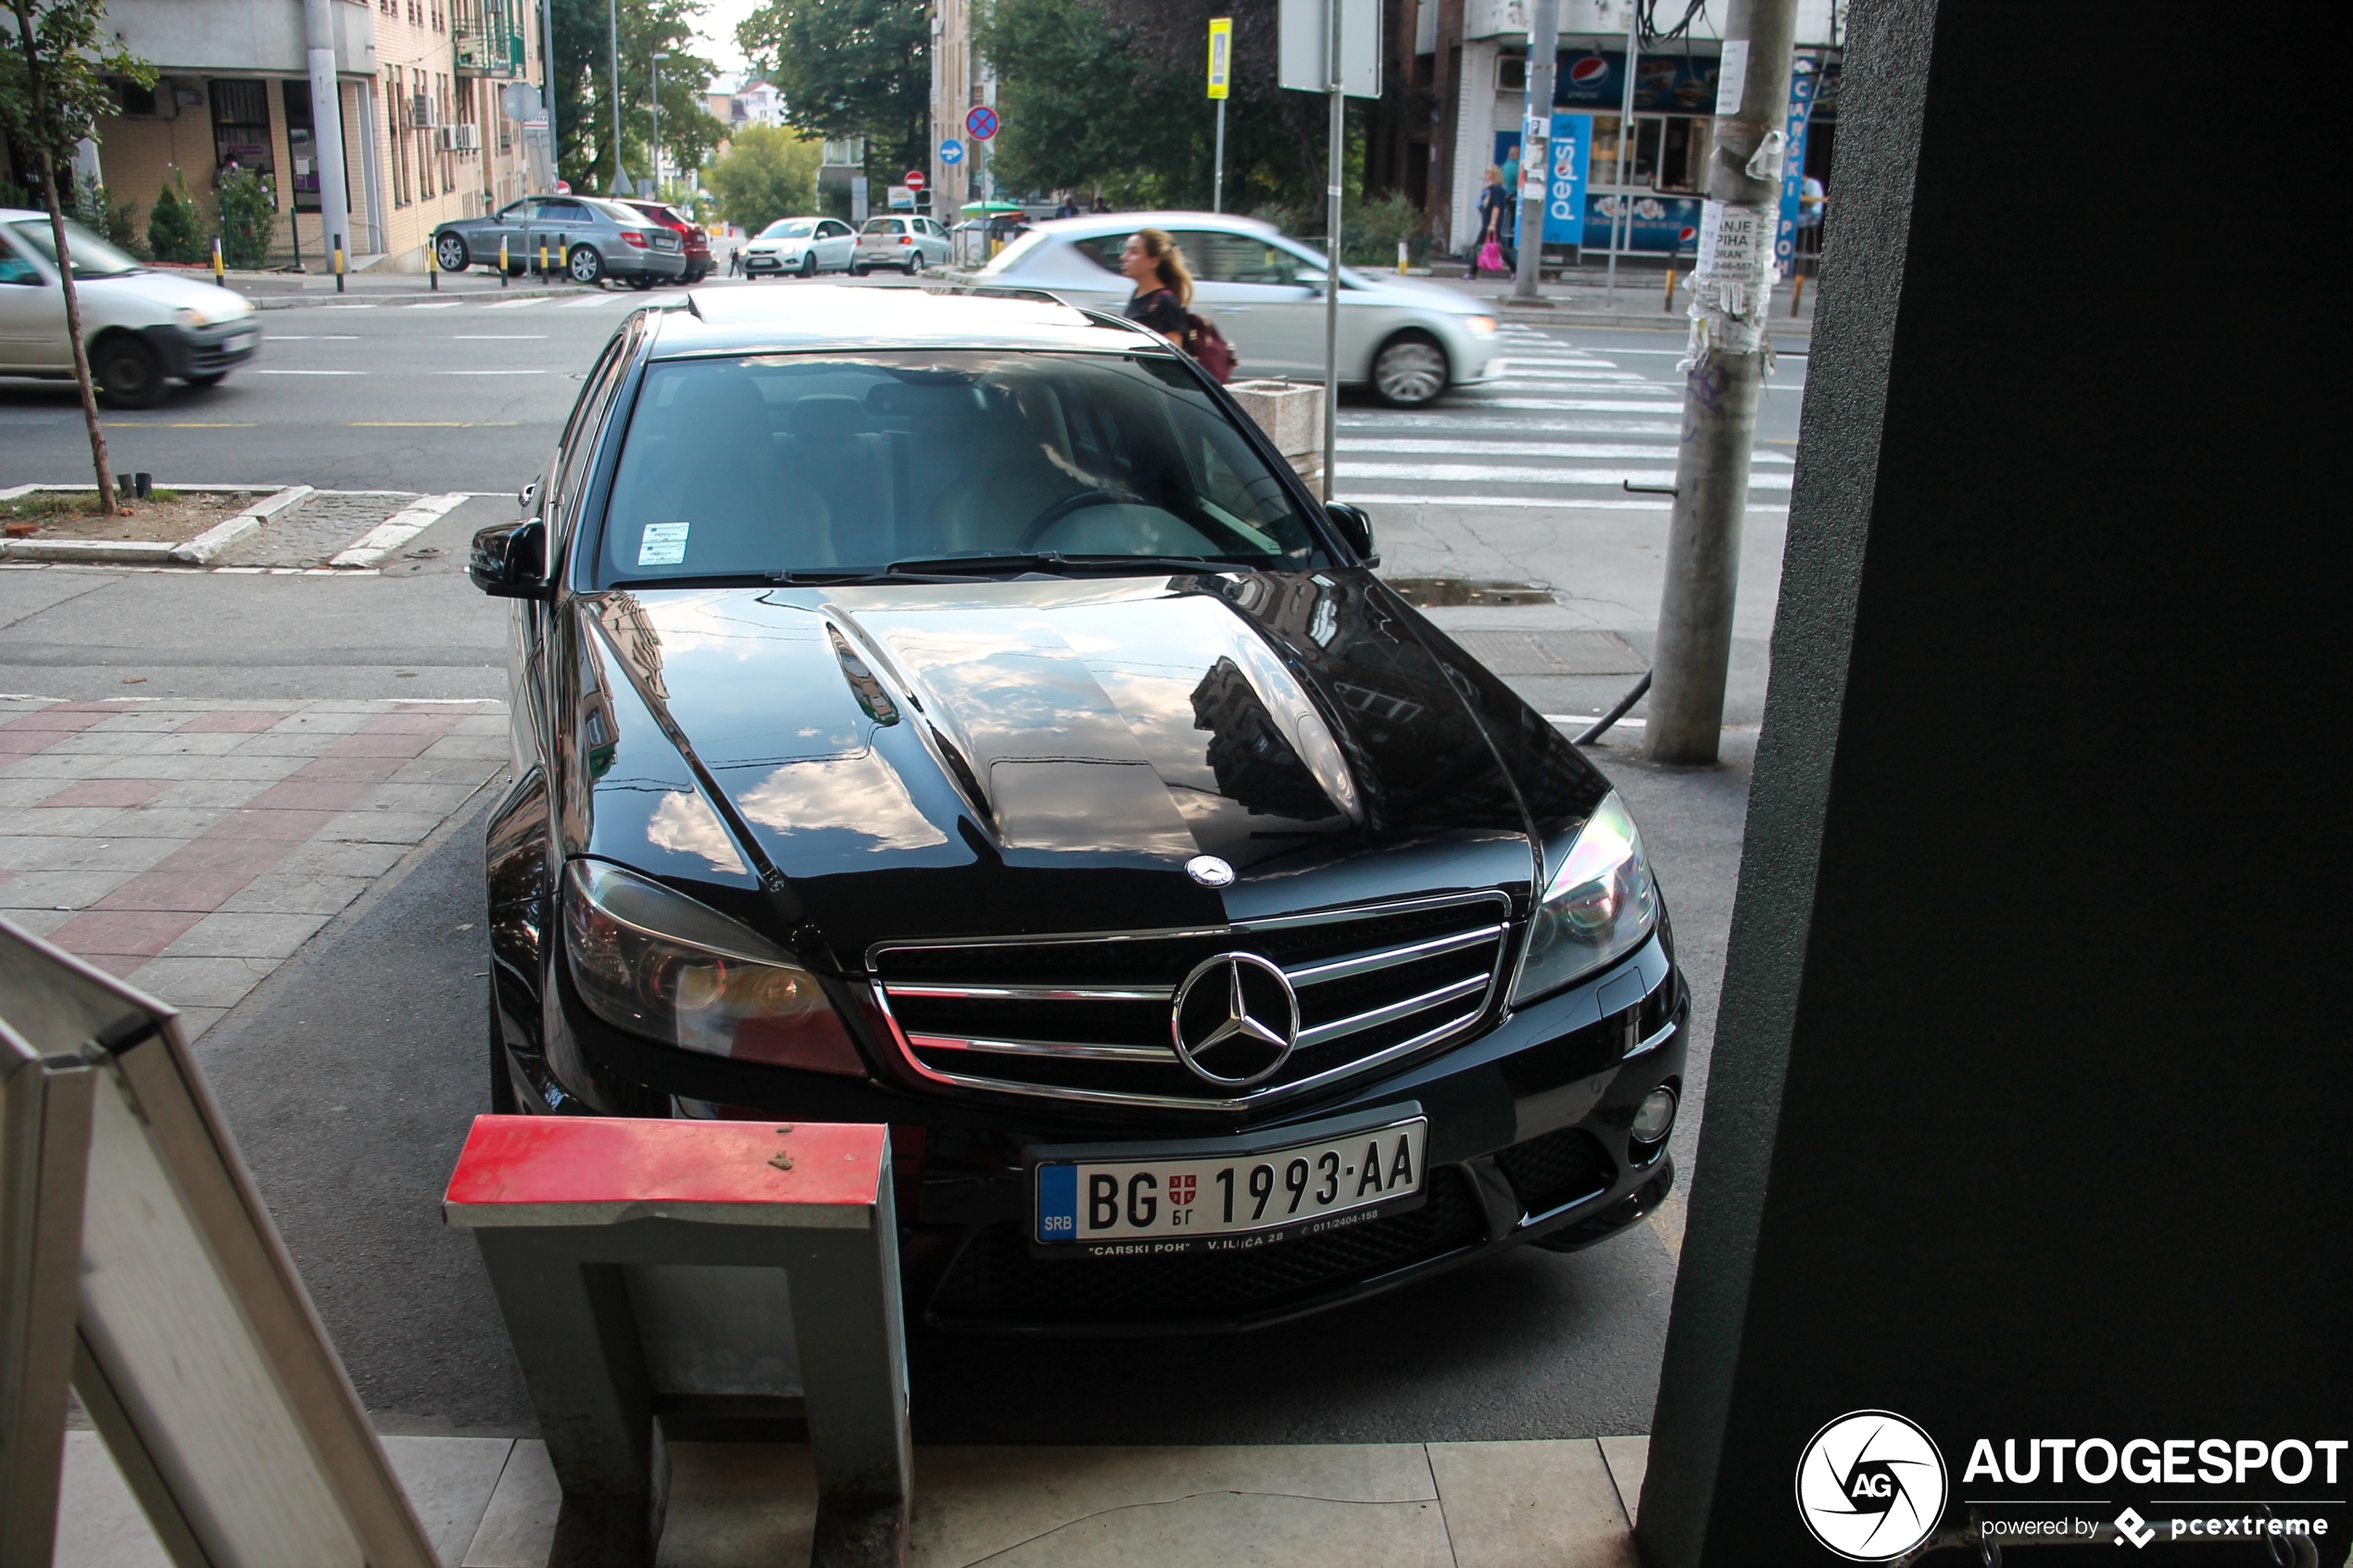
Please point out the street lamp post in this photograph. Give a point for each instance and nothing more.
(655, 73)
(613, 21)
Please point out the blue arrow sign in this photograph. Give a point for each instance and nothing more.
(951, 151)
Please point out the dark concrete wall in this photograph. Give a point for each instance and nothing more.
(2029, 1101)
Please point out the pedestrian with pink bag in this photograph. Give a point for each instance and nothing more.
(1494, 216)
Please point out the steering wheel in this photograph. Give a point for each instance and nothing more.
(1063, 507)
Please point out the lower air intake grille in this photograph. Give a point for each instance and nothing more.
(1556, 1169)
(996, 1283)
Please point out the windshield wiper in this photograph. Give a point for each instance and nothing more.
(1056, 562)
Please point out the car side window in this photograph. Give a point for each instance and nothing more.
(1103, 250)
(580, 433)
(1238, 258)
(563, 212)
(14, 268)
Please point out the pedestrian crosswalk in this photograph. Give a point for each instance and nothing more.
(1534, 437)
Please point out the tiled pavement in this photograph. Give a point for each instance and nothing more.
(191, 847)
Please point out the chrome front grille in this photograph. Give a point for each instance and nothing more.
(1086, 1017)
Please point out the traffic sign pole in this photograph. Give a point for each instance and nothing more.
(1221, 58)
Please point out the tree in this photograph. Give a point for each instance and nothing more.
(767, 174)
(175, 224)
(583, 89)
(248, 219)
(850, 67)
(51, 96)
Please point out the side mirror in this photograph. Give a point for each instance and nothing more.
(1355, 525)
(510, 560)
(528, 496)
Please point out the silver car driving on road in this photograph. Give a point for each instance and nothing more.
(804, 246)
(1406, 340)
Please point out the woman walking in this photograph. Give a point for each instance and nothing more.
(1494, 213)
(1164, 294)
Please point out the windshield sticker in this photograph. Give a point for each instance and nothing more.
(663, 544)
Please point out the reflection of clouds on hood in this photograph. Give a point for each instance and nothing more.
(860, 795)
(684, 824)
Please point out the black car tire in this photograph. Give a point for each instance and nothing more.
(914, 265)
(1410, 371)
(206, 383)
(128, 372)
(643, 282)
(584, 265)
(809, 264)
(502, 1080)
(856, 271)
(451, 254)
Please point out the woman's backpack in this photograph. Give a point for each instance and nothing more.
(1209, 348)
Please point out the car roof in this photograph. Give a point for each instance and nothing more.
(823, 315)
(1090, 225)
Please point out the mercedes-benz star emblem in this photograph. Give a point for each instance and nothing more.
(1235, 1020)
(1210, 871)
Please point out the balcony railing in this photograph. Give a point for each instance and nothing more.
(489, 38)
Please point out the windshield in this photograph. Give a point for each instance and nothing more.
(844, 464)
(92, 258)
(882, 226)
(789, 229)
(1015, 250)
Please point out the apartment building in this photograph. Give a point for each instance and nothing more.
(426, 135)
(959, 81)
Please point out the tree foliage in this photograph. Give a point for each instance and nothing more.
(248, 220)
(583, 89)
(850, 67)
(1109, 95)
(767, 174)
(175, 224)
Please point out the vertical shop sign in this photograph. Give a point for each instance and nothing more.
(1565, 194)
(1801, 113)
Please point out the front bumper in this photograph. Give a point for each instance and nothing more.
(206, 351)
(1530, 1140)
(771, 261)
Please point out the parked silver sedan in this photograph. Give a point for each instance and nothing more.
(1406, 340)
(902, 244)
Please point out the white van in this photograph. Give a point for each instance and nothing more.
(144, 326)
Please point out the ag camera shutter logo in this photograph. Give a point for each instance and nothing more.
(1871, 1486)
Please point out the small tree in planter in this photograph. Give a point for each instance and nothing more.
(52, 93)
(248, 220)
(175, 227)
(94, 205)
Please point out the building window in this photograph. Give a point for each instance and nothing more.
(240, 129)
(396, 102)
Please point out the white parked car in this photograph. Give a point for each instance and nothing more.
(907, 244)
(802, 246)
(143, 326)
(1407, 340)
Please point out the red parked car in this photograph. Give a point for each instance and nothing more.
(691, 237)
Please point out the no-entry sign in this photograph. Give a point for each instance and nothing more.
(914, 180)
(981, 122)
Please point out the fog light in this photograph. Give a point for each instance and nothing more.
(1656, 1114)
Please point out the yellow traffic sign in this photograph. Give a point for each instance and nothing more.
(1221, 55)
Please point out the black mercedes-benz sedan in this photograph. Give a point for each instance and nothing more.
(953, 712)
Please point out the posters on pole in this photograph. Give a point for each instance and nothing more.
(1221, 56)
(1569, 155)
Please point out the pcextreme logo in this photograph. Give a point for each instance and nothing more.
(1871, 1486)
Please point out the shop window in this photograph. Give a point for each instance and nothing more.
(241, 129)
(302, 149)
(1670, 153)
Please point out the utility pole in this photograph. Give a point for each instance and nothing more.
(1535, 147)
(326, 127)
(654, 70)
(1331, 246)
(1723, 375)
(1622, 205)
(612, 19)
(547, 90)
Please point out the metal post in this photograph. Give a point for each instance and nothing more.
(654, 66)
(326, 117)
(339, 264)
(1218, 192)
(1331, 260)
(1731, 299)
(547, 86)
(44, 1157)
(612, 19)
(1625, 139)
(1535, 147)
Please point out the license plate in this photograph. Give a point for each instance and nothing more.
(241, 341)
(1190, 1200)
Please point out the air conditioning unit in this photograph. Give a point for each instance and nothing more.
(469, 138)
(445, 138)
(424, 113)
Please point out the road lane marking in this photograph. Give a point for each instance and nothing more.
(211, 424)
(1522, 368)
(500, 337)
(1482, 472)
(1455, 423)
(584, 304)
(431, 424)
(438, 305)
(1572, 405)
(309, 372)
(514, 304)
(370, 548)
(345, 307)
(490, 372)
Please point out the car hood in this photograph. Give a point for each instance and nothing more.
(1008, 758)
(167, 292)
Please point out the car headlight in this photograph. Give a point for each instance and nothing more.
(1598, 907)
(1480, 326)
(191, 318)
(657, 963)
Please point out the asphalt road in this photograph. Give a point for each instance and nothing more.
(350, 1076)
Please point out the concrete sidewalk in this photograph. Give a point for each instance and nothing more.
(490, 1502)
